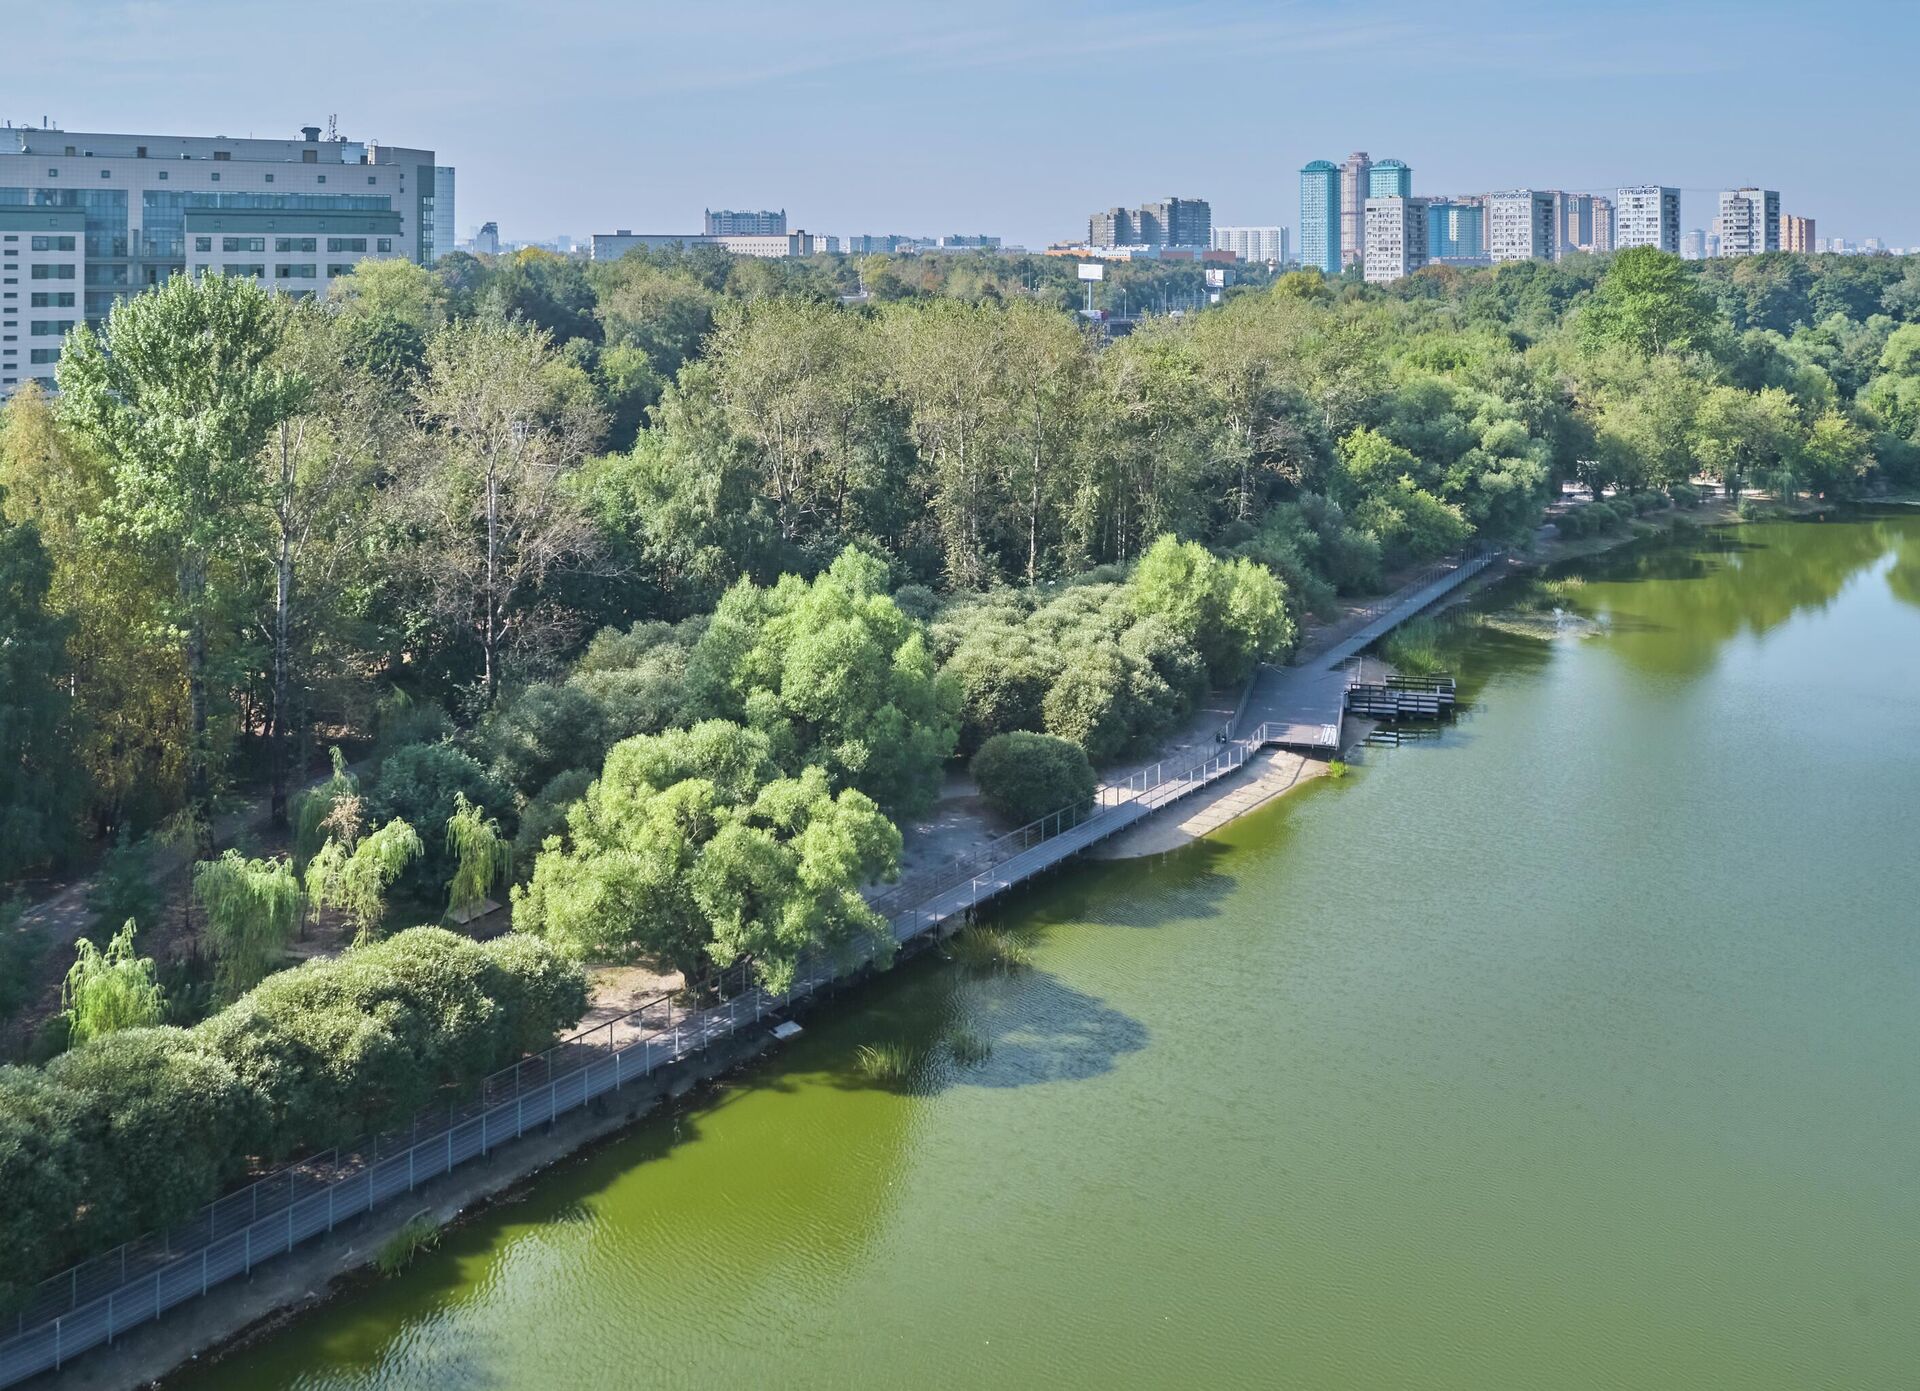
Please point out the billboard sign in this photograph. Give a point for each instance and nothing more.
(1092, 270)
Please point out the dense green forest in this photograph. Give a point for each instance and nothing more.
(651, 594)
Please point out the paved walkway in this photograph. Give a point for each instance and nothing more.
(1306, 703)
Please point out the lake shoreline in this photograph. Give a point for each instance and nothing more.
(237, 1316)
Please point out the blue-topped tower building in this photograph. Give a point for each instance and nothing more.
(1320, 216)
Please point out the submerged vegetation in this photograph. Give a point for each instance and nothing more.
(418, 1234)
(989, 949)
(886, 1064)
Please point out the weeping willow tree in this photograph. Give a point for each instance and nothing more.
(331, 810)
(252, 908)
(109, 990)
(356, 880)
(480, 857)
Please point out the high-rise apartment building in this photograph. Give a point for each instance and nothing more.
(1390, 178)
(1520, 225)
(1170, 222)
(1114, 227)
(1356, 184)
(726, 222)
(1646, 215)
(1396, 242)
(1796, 233)
(1267, 244)
(1457, 230)
(1320, 216)
(1175, 222)
(1582, 222)
(300, 212)
(1693, 246)
(1749, 221)
(486, 241)
(442, 210)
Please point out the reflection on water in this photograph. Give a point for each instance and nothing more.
(1572, 1049)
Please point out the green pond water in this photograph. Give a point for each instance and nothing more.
(1575, 1048)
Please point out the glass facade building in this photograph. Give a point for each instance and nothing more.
(1389, 178)
(1320, 216)
(1456, 231)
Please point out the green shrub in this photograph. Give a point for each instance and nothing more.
(1026, 776)
(131, 1131)
(1683, 494)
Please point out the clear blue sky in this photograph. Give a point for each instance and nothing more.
(1014, 116)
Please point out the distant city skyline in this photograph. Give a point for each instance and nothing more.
(665, 111)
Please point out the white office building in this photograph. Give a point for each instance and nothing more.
(1749, 221)
(42, 265)
(1396, 238)
(611, 246)
(151, 206)
(1520, 225)
(1646, 215)
(1268, 244)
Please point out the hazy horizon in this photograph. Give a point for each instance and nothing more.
(587, 115)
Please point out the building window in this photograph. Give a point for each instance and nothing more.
(223, 154)
(203, 243)
(309, 156)
(334, 269)
(269, 178)
(358, 244)
(214, 177)
(323, 178)
(106, 173)
(51, 273)
(53, 173)
(163, 176)
(238, 269)
(52, 299)
(39, 355)
(43, 327)
(286, 244)
(139, 151)
(371, 179)
(305, 271)
(383, 244)
(53, 243)
(243, 243)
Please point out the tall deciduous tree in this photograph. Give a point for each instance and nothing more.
(124, 674)
(691, 848)
(506, 421)
(320, 470)
(181, 394)
(1650, 302)
(39, 783)
(838, 675)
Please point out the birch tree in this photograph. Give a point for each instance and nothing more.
(504, 422)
